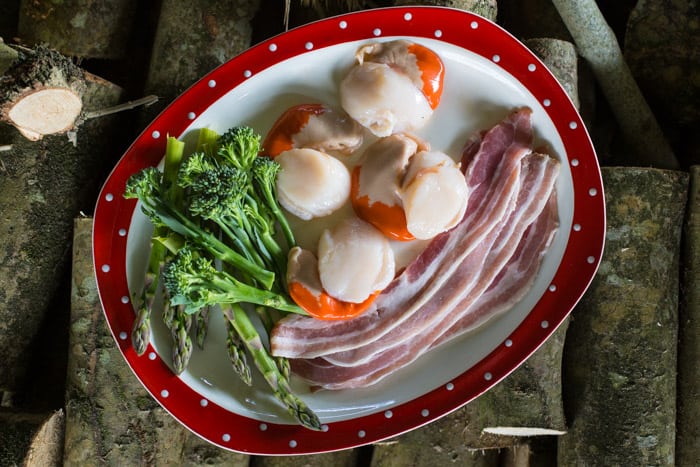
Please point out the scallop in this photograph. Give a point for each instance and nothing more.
(311, 183)
(394, 87)
(355, 260)
(315, 126)
(383, 100)
(376, 182)
(434, 194)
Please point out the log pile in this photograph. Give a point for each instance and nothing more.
(69, 398)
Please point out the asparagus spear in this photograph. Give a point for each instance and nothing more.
(202, 325)
(182, 343)
(279, 384)
(141, 329)
(236, 353)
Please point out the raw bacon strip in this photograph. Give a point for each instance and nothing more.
(492, 177)
(515, 280)
(479, 268)
(377, 361)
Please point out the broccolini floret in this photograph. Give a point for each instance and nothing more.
(146, 186)
(220, 235)
(193, 281)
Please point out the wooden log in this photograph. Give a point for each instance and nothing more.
(110, 418)
(79, 28)
(43, 186)
(620, 353)
(41, 93)
(347, 458)
(194, 37)
(665, 33)
(436, 446)
(486, 8)
(526, 19)
(687, 427)
(598, 44)
(562, 60)
(30, 439)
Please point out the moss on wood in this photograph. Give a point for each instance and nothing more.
(620, 353)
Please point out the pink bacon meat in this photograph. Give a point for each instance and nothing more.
(515, 279)
(479, 268)
(519, 239)
(493, 176)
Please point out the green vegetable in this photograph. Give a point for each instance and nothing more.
(216, 246)
(141, 330)
(146, 185)
(193, 281)
(268, 367)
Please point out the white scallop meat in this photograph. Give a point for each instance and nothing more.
(311, 183)
(383, 100)
(354, 260)
(434, 194)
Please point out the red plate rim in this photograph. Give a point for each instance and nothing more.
(578, 266)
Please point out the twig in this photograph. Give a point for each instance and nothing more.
(598, 45)
(5, 147)
(144, 101)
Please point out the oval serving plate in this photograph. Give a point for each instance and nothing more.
(488, 73)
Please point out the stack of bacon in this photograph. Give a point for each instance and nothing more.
(465, 276)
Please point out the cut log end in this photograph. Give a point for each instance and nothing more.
(522, 431)
(44, 111)
(42, 93)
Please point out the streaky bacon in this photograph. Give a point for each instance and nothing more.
(515, 279)
(478, 269)
(493, 179)
(518, 239)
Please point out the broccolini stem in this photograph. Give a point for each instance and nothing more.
(181, 224)
(174, 152)
(207, 141)
(234, 291)
(268, 191)
(266, 364)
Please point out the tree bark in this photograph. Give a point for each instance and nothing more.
(561, 59)
(665, 33)
(8, 56)
(31, 439)
(41, 93)
(440, 443)
(194, 37)
(620, 353)
(598, 44)
(687, 427)
(110, 418)
(486, 8)
(347, 458)
(43, 186)
(81, 28)
(526, 19)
